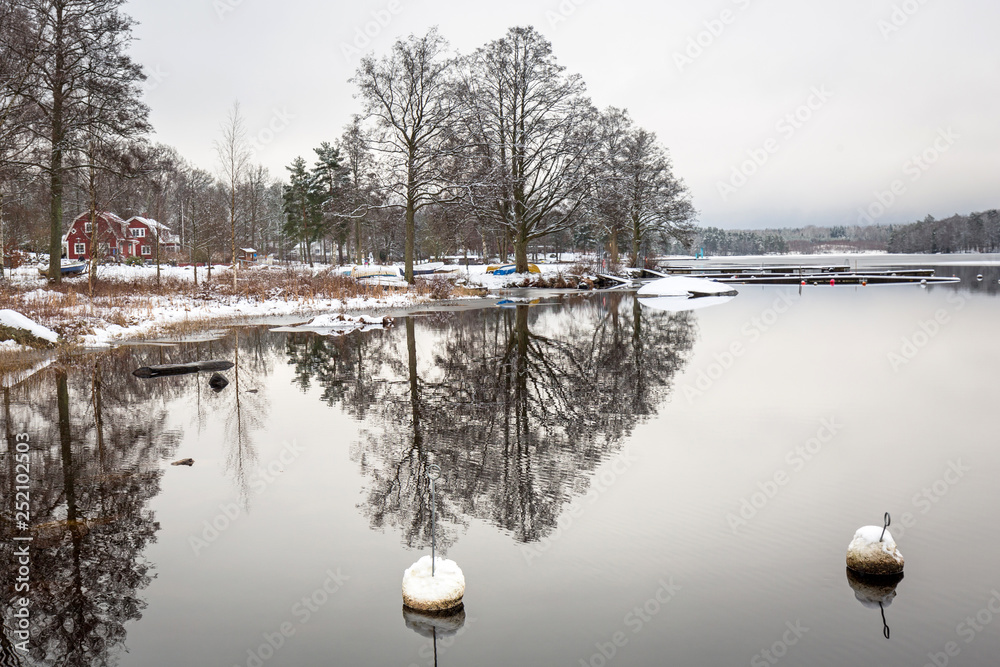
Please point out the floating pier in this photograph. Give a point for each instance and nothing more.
(834, 274)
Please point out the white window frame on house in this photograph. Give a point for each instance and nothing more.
(146, 252)
(138, 232)
(88, 227)
(79, 248)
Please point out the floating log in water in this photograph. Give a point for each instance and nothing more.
(181, 369)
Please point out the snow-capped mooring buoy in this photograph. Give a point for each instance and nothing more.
(433, 584)
(874, 552)
(440, 591)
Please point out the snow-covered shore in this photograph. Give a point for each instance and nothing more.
(129, 307)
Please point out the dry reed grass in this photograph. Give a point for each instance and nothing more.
(75, 308)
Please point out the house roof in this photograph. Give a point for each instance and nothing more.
(248, 250)
(116, 224)
(165, 233)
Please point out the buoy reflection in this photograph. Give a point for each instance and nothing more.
(435, 626)
(875, 592)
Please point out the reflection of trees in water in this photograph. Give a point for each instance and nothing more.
(98, 439)
(246, 406)
(94, 467)
(517, 406)
(346, 368)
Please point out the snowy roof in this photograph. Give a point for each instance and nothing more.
(165, 233)
(248, 250)
(102, 214)
(149, 222)
(116, 224)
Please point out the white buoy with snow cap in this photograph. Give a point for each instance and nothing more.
(439, 591)
(874, 552)
(433, 584)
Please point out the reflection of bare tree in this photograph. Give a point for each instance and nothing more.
(99, 437)
(345, 367)
(242, 455)
(94, 469)
(517, 406)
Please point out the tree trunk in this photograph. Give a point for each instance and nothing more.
(56, 210)
(636, 241)
(357, 240)
(3, 240)
(56, 162)
(614, 246)
(232, 228)
(410, 234)
(93, 234)
(521, 250)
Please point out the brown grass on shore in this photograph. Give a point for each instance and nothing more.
(68, 308)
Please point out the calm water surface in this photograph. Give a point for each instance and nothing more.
(622, 486)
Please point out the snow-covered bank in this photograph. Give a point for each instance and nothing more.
(340, 324)
(129, 303)
(14, 319)
(164, 313)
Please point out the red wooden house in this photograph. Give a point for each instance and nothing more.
(118, 239)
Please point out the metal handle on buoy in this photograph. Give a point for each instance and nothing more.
(433, 473)
(888, 519)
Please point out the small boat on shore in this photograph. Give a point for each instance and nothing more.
(508, 269)
(427, 269)
(387, 276)
(68, 269)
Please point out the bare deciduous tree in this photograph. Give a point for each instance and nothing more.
(234, 154)
(635, 192)
(532, 128)
(407, 94)
(87, 85)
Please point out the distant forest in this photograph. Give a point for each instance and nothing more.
(976, 232)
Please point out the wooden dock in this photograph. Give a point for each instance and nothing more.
(837, 274)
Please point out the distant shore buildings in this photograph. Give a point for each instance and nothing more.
(117, 239)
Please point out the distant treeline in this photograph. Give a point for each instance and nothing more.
(976, 232)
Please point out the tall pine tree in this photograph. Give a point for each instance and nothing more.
(88, 86)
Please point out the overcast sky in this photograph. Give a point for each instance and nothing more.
(776, 112)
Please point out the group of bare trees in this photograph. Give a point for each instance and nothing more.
(497, 151)
(70, 97)
(73, 139)
(503, 144)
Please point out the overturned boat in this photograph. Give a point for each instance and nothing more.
(678, 293)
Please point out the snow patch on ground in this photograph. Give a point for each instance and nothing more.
(340, 324)
(16, 320)
(163, 311)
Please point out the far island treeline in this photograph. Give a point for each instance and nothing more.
(494, 154)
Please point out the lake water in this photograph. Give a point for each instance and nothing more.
(621, 486)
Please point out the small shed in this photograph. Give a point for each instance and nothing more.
(247, 256)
